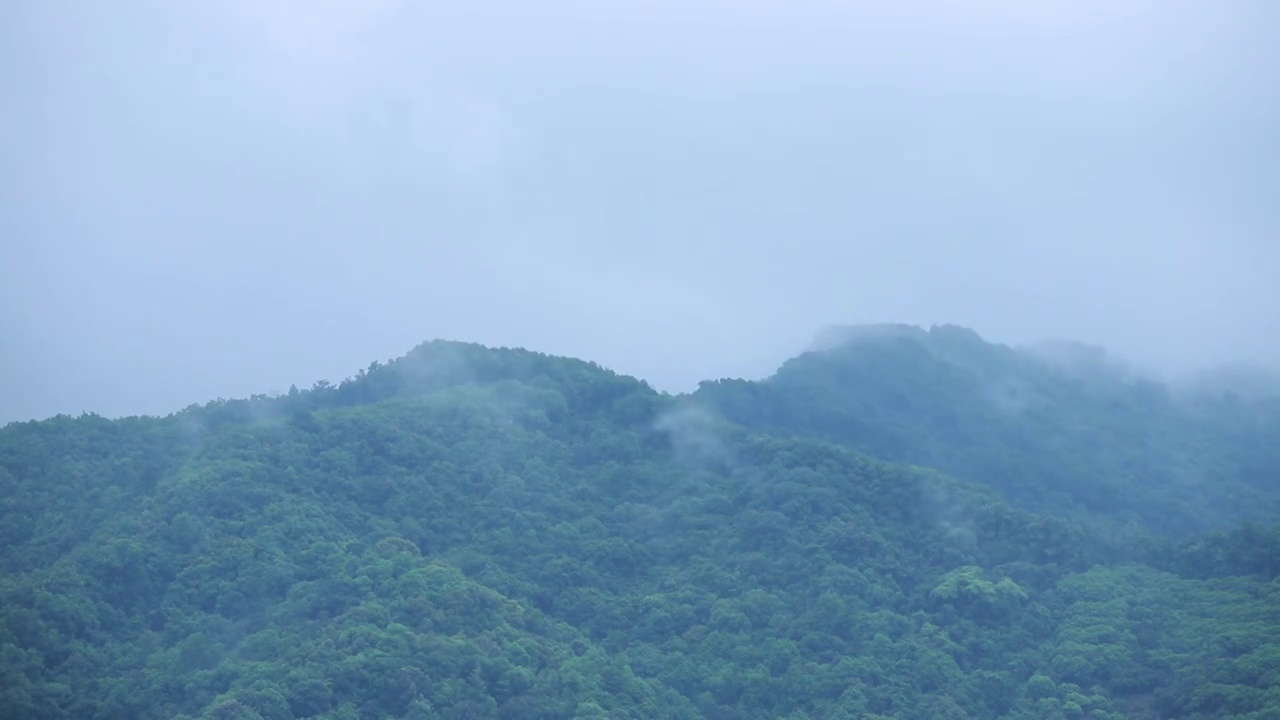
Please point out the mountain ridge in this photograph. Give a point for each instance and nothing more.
(945, 398)
(473, 533)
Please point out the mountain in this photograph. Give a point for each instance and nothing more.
(468, 532)
(1232, 382)
(1057, 427)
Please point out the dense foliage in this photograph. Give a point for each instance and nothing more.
(474, 533)
(1059, 429)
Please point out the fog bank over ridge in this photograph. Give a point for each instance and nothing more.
(1068, 356)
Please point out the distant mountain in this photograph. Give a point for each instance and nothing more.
(1057, 427)
(1245, 382)
(469, 533)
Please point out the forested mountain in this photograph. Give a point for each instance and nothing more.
(477, 533)
(1057, 428)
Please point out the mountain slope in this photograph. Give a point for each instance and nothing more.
(1058, 429)
(474, 533)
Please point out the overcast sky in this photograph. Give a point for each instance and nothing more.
(222, 197)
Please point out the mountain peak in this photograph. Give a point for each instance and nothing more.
(834, 336)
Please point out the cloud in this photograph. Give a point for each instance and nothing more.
(697, 435)
(314, 30)
(476, 142)
(466, 134)
(678, 190)
(346, 67)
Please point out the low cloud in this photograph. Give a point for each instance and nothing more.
(697, 435)
(217, 199)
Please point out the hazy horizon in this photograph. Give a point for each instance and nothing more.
(1047, 344)
(219, 199)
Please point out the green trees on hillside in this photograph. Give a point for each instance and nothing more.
(1061, 433)
(469, 533)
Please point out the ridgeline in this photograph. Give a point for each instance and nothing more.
(898, 524)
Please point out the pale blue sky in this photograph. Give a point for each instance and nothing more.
(216, 198)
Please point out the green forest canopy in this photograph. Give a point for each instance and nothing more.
(907, 524)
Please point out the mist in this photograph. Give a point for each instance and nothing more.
(215, 199)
